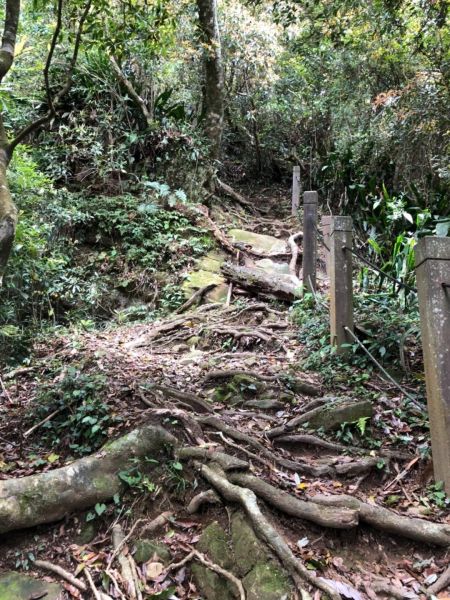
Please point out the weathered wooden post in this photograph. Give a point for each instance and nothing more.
(309, 240)
(341, 288)
(326, 224)
(433, 287)
(295, 190)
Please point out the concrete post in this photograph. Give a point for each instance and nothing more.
(309, 240)
(433, 276)
(341, 284)
(296, 186)
(326, 224)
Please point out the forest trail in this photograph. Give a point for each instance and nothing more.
(227, 378)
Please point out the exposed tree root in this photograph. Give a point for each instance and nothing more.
(196, 297)
(226, 461)
(208, 497)
(313, 440)
(381, 518)
(292, 243)
(297, 385)
(186, 397)
(441, 583)
(337, 519)
(317, 469)
(327, 416)
(264, 530)
(48, 497)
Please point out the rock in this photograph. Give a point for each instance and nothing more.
(198, 279)
(264, 404)
(248, 550)
(266, 581)
(87, 532)
(265, 244)
(337, 411)
(147, 549)
(211, 262)
(207, 272)
(213, 542)
(18, 586)
(211, 585)
(270, 266)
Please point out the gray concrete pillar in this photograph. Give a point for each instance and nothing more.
(309, 263)
(433, 277)
(341, 282)
(296, 186)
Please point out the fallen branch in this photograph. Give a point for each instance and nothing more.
(260, 282)
(228, 190)
(265, 531)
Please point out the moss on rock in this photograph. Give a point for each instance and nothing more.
(266, 581)
(248, 550)
(18, 586)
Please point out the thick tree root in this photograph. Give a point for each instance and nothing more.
(337, 518)
(299, 386)
(386, 520)
(50, 496)
(320, 468)
(264, 530)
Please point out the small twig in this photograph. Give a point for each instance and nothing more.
(217, 569)
(91, 584)
(44, 564)
(402, 474)
(47, 418)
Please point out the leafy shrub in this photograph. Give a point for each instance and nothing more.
(83, 419)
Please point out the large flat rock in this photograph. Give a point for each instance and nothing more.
(265, 244)
(18, 586)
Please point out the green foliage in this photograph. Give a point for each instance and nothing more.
(82, 422)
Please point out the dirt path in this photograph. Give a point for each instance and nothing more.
(228, 379)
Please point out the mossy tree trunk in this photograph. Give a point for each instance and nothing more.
(213, 75)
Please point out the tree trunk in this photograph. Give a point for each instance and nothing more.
(213, 76)
(260, 282)
(8, 215)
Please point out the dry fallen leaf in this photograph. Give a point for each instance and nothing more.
(153, 570)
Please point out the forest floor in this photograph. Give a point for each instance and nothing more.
(229, 378)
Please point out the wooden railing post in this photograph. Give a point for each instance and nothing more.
(341, 288)
(326, 224)
(309, 240)
(433, 287)
(295, 190)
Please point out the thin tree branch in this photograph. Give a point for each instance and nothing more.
(51, 51)
(131, 90)
(53, 104)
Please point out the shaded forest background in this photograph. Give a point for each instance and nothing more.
(355, 93)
